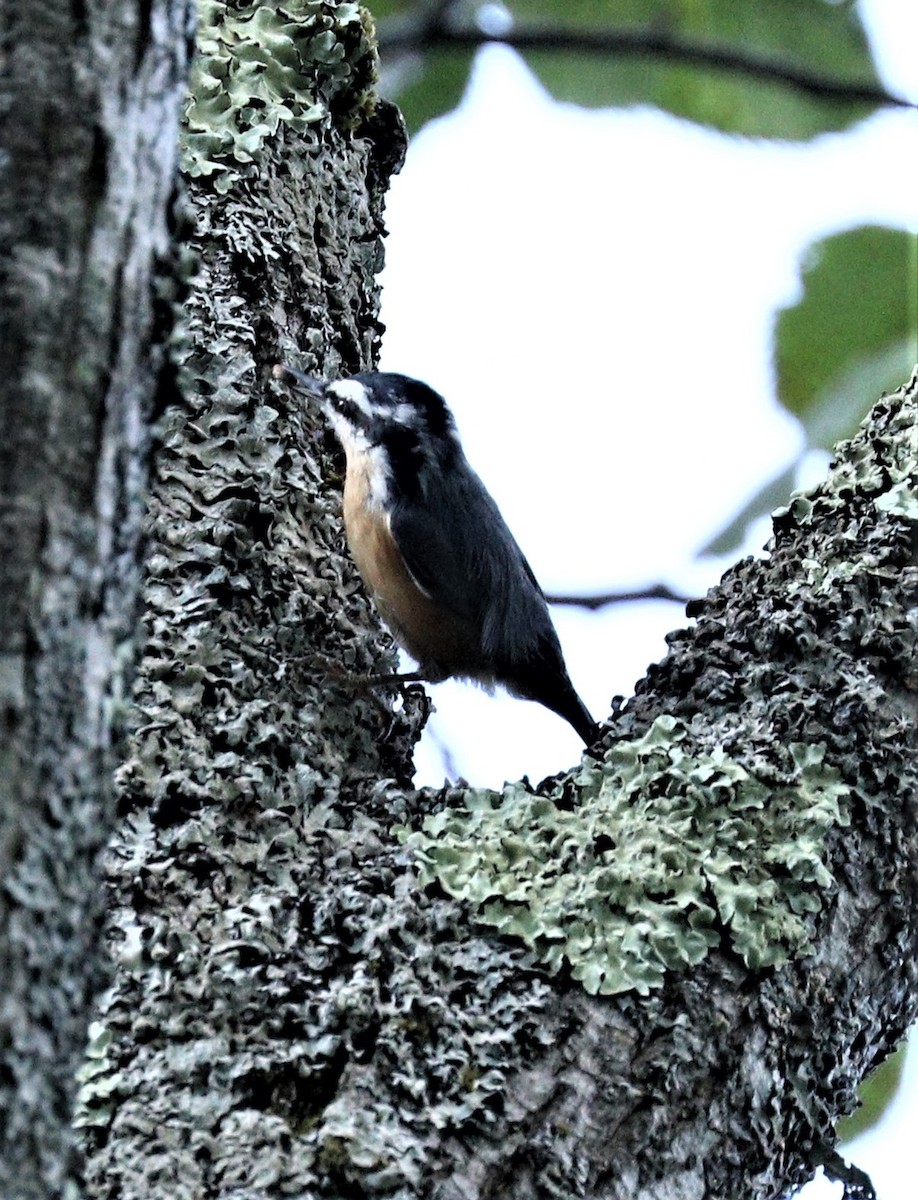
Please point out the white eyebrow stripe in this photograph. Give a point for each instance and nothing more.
(356, 393)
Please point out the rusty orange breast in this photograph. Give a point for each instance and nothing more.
(442, 643)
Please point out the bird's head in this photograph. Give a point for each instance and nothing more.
(404, 417)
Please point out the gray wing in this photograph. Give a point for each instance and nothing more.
(459, 550)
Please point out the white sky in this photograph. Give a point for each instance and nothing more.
(597, 288)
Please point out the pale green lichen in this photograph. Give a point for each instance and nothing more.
(97, 1079)
(669, 849)
(901, 500)
(858, 469)
(260, 66)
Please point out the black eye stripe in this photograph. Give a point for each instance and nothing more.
(428, 408)
(344, 407)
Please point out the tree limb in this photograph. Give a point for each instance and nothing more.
(660, 974)
(649, 44)
(632, 981)
(657, 591)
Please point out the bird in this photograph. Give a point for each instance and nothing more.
(432, 548)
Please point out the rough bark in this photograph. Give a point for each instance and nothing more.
(88, 164)
(294, 1011)
(296, 1014)
(309, 1000)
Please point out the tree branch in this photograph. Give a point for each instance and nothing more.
(857, 1183)
(657, 591)
(649, 44)
(631, 981)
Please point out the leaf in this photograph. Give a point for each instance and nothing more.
(852, 336)
(382, 10)
(875, 1094)
(428, 86)
(821, 37)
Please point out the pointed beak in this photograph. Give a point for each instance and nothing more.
(314, 388)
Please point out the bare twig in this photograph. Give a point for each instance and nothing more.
(435, 32)
(658, 591)
(857, 1183)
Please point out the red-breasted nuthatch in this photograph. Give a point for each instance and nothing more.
(434, 552)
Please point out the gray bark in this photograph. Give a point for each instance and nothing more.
(296, 1014)
(88, 161)
(303, 1003)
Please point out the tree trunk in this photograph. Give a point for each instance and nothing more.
(660, 975)
(87, 172)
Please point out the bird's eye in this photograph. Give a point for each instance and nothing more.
(346, 400)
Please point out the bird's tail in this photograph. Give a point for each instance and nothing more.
(567, 704)
(554, 690)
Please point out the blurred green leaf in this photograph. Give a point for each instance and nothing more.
(820, 36)
(430, 86)
(383, 9)
(875, 1094)
(853, 335)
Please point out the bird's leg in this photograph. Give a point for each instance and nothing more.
(407, 677)
(364, 682)
(340, 677)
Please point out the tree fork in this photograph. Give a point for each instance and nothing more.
(311, 993)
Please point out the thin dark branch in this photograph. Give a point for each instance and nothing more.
(640, 44)
(659, 591)
(857, 1183)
